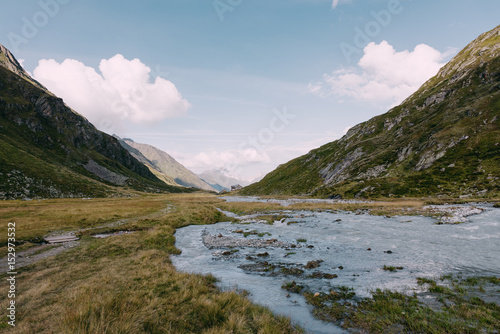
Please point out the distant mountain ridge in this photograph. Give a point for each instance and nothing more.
(47, 150)
(444, 140)
(164, 166)
(220, 180)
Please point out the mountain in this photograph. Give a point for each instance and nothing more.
(164, 166)
(47, 150)
(220, 179)
(8, 61)
(444, 140)
(140, 157)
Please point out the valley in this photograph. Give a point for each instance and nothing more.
(166, 247)
(373, 207)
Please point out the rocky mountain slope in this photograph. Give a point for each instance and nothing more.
(442, 140)
(164, 166)
(48, 150)
(8, 61)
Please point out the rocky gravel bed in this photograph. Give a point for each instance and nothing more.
(221, 241)
(454, 214)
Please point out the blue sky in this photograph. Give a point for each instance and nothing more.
(229, 68)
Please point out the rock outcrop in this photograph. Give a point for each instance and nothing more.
(49, 150)
(452, 120)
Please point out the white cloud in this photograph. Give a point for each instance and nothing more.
(248, 163)
(232, 159)
(335, 3)
(122, 93)
(383, 75)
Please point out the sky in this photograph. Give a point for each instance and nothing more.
(243, 85)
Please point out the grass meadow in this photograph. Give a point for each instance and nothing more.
(127, 283)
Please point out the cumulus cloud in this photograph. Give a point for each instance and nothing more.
(232, 159)
(247, 163)
(122, 93)
(383, 75)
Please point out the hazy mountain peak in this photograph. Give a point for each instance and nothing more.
(164, 166)
(221, 179)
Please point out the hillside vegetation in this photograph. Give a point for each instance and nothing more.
(47, 150)
(444, 140)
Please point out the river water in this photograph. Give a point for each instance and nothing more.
(354, 247)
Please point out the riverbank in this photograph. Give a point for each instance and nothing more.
(314, 250)
(124, 283)
(127, 283)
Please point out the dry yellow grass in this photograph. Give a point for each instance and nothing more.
(38, 218)
(376, 207)
(126, 284)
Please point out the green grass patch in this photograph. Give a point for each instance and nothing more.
(462, 309)
(392, 268)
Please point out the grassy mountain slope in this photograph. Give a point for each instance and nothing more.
(140, 157)
(442, 140)
(48, 150)
(164, 166)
